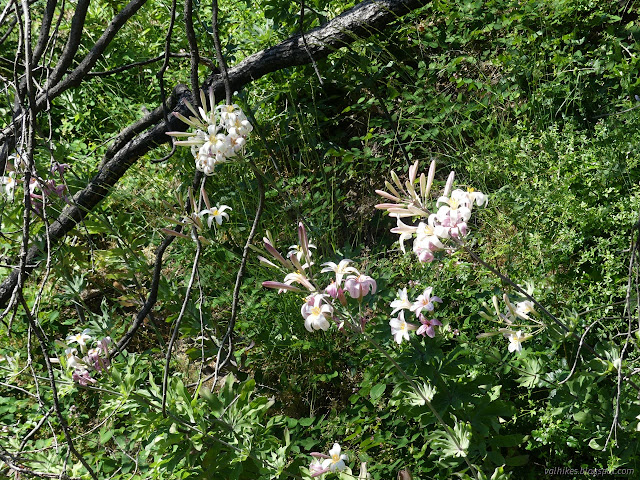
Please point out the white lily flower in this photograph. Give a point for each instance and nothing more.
(9, 184)
(73, 361)
(298, 251)
(336, 462)
(220, 133)
(81, 339)
(400, 328)
(341, 269)
(402, 302)
(405, 231)
(301, 278)
(523, 309)
(215, 213)
(315, 313)
(515, 341)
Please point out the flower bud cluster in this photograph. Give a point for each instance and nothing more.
(320, 305)
(94, 360)
(452, 212)
(425, 302)
(220, 133)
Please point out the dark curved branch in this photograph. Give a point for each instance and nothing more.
(364, 19)
(73, 42)
(9, 30)
(45, 27)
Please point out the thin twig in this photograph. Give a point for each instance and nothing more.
(306, 46)
(221, 61)
(165, 64)
(575, 362)
(240, 276)
(176, 329)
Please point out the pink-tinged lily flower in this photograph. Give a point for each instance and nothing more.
(296, 263)
(400, 328)
(275, 254)
(425, 302)
(427, 240)
(407, 201)
(456, 211)
(447, 187)
(428, 232)
(93, 358)
(302, 249)
(316, 469)
(334, 291)
(427, 326)
(315, 313)
(59, 167)
(424, 250)
(402, 302)
(341, 269)
(83, 377)
(359, 286)
(99, 357)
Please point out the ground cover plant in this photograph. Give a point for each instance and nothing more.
(387, 239)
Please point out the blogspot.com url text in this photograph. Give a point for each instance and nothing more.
(592, 472)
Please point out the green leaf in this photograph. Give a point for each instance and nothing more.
(305, 422)
(377, 391)
(105, 434)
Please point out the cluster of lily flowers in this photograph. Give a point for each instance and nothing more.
(434, 230)
(38, 187)
(320, 305)
(517, 318)
(94, 360)
(400, 328)
(220, 133)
